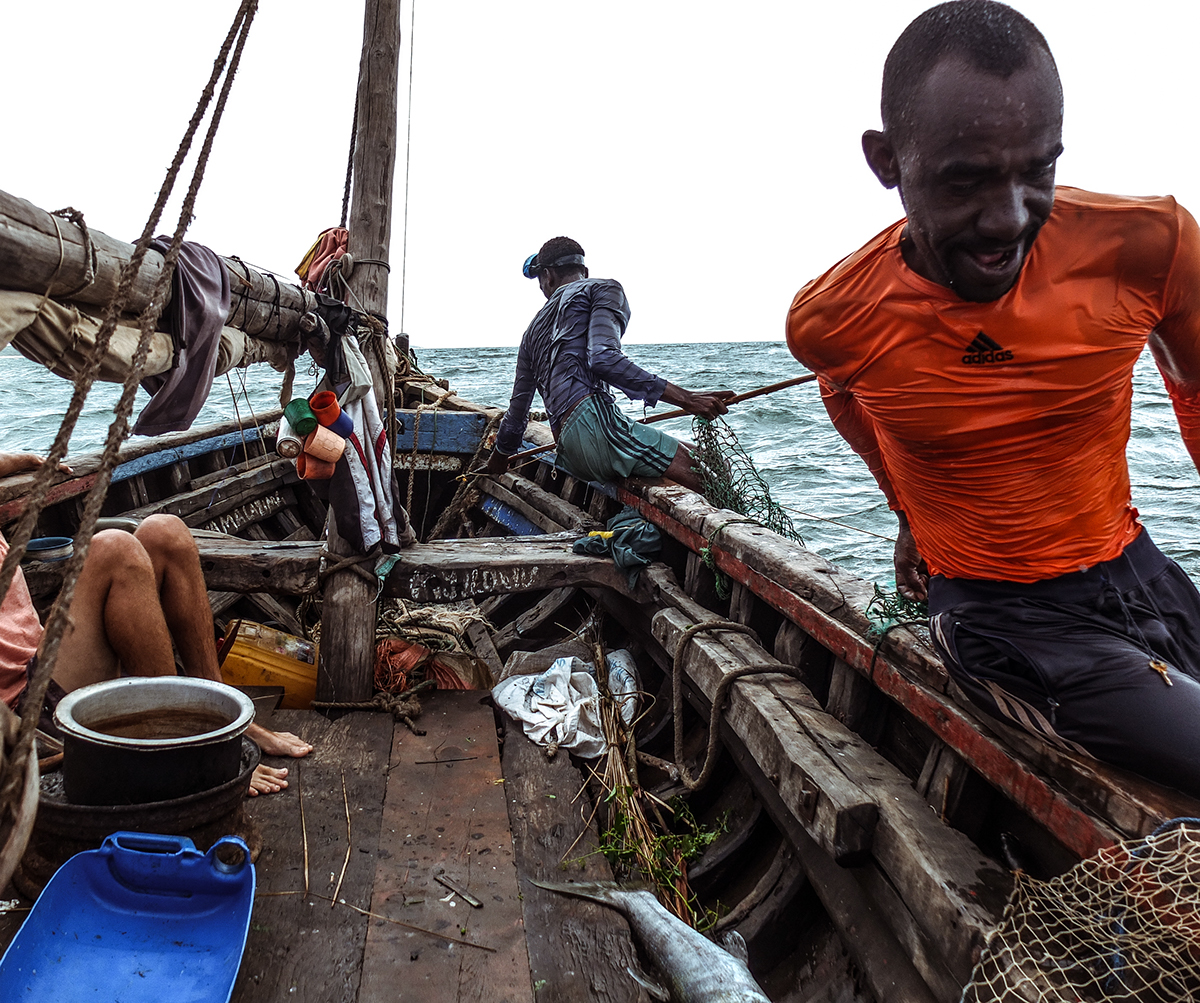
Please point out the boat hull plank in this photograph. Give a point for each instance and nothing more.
(208, 503)
(924, 954)
(861, 925)
(299, 948)
(578, 950)
(956, 893)
(448, 817)
(834, 809)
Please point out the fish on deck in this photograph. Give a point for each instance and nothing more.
(696, 970)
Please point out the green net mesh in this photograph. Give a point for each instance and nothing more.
(731, 480)
(1121, 925)
(888, 609)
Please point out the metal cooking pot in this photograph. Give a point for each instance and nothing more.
(143, 739)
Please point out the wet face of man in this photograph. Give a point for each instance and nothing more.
(975, 169)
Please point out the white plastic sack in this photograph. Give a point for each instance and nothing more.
(562, 704)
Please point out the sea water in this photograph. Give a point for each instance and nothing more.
(809, 469)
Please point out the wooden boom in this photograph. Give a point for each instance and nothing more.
(41, 252)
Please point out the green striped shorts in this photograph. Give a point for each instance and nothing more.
(598, 443)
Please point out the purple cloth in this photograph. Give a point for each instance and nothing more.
(573, 349)
(194, 317)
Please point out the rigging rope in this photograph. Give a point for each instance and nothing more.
(412, 20)
(350, 163)
(226, 63)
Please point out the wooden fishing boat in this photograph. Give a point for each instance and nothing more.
(864, 816)
(869, 810)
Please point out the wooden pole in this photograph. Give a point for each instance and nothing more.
(348, 607)
(680, 412)
(737, 399)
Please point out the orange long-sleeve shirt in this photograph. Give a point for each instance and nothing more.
(1000, 428)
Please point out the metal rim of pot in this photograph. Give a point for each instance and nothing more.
(134, 686)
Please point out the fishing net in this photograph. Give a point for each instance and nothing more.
(1121, 925)
(887, 610)
(731, 480)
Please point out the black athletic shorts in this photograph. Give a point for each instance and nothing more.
(1084, 660)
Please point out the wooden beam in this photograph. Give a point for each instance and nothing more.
(830, 805)
(442, 571)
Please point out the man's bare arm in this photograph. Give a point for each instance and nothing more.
(708, 405)
(15, 463)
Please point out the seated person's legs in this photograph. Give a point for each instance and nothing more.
(116, 619)
(135, 594)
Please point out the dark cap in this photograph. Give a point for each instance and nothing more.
(557, 252)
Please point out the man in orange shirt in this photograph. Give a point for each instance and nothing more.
(978, 355)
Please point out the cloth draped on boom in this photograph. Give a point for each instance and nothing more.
(194, 317)
(330, 245)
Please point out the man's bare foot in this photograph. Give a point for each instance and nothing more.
(267, 780)
(278, 743)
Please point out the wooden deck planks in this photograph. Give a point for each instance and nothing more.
(577, 950)
(452, 818)
(304, 948)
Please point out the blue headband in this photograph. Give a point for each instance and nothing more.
(532, 266)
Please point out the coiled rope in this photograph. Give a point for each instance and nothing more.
(718, 700)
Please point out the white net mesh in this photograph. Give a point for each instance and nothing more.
(1121, 925)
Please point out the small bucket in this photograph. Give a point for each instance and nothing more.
(344, 426)
(324, 444)
(312, 469)
(325, 406)
(300, 416)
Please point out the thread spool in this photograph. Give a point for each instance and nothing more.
(287, 443)
(300, 416)
(325, 406)
(324, 444)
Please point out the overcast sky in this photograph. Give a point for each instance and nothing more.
(705, 154)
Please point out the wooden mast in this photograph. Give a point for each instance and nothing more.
(348, 607)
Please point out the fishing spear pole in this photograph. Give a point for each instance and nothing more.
(679, 412)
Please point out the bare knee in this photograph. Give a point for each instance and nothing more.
(167, 539)
(114, 554)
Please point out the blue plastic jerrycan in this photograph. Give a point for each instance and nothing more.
(144, 918)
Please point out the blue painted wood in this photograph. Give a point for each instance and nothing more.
(165, 457)
(510, 519)
(441, 432)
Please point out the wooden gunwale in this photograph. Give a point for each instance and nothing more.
(137, 457)
(1075, 828)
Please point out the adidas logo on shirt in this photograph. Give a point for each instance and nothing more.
(983, 350)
